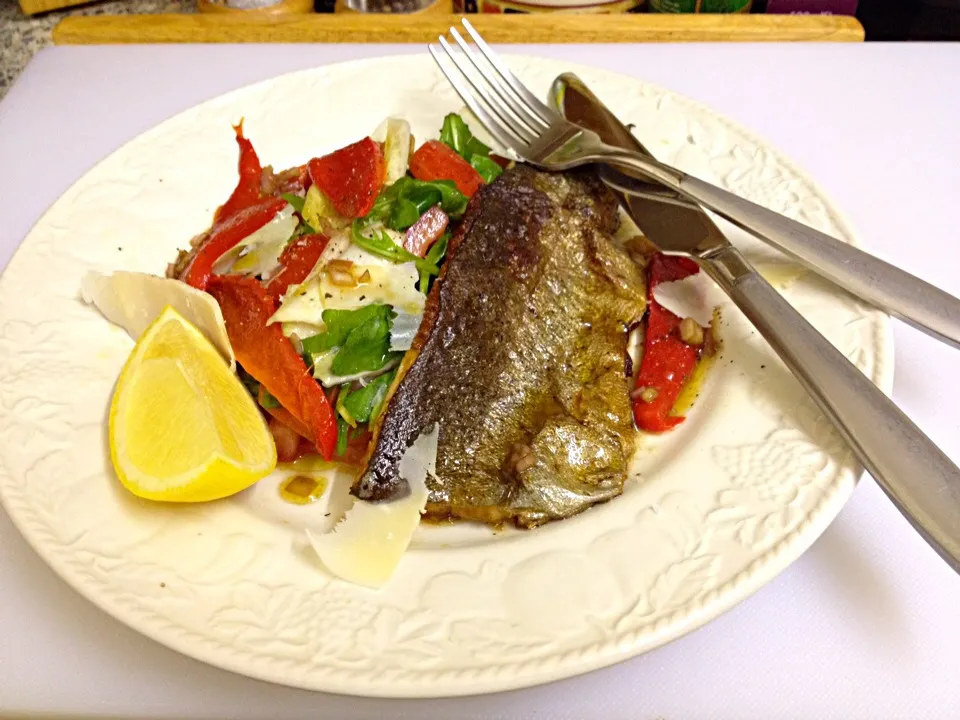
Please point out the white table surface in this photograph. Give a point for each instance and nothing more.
(865, 625)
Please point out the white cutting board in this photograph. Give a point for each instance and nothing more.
(864, 625)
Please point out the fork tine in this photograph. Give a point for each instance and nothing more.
(477, 108)
(534, 103)
(509, 124)
(503, 93)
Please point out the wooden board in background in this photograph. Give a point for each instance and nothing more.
(544, 28)
(33, 7)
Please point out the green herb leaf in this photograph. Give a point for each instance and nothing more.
(341, 408)
(249, 382)
(423, 195)
(382, 400)
(268, 401)
(457, 135)
(384, 203)
(379, 243)
(452, 201)
(342, 430)
(438, 249)
(295, 200)
(361, 338)
(366, 348)
(394, 206)
(364, 404)
(340, 323)
(474, 148)
(403, 215)
(488, 169)
(434, 255)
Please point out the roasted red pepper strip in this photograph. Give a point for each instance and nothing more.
(351, 177)
(223, 236)
(247, 191)
(270, 358)
(426, 231)
(667, 360)
(436, 161)
(296, 262)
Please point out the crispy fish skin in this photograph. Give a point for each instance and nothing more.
(520, 359)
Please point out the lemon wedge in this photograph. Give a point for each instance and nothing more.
(182, 426)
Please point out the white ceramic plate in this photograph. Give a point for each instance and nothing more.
(718, 508)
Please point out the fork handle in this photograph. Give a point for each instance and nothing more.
(918, 303)
(917, 476)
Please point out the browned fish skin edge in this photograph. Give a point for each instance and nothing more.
(430, 313)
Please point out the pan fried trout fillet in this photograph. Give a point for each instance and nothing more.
(520, 359)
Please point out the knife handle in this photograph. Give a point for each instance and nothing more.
(916, 302)
(917, 476)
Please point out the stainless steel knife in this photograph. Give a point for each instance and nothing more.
(916, 302)
(915, 474)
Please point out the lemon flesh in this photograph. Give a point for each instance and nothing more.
(182, 426)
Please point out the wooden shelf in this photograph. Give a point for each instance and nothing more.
(33, 7)
(541, 28)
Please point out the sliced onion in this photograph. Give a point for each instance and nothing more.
(341, 278)
(340, 264)
(340, 273)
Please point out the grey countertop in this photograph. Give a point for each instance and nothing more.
(21, 36)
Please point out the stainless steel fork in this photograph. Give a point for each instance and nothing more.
(921, 481)
(541, 137)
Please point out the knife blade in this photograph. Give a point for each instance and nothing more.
(665, 223)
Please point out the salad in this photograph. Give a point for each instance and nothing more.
(311, 283)
(321, 272)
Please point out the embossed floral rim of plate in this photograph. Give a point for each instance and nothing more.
(719, 507)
